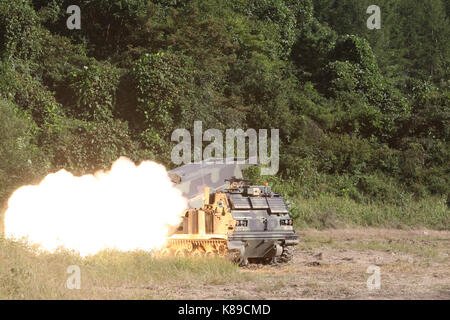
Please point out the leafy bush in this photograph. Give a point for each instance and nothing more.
(20, 159)
(19, 27)
(84, 147)
(94, 89)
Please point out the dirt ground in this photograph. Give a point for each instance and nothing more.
(332, 264)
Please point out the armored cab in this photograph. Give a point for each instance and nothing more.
(244, 222)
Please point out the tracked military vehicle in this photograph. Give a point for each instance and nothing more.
(246, 223)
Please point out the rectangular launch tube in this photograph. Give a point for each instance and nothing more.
(201, 222)
(192, 222)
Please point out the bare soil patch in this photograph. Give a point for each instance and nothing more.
(332, 264)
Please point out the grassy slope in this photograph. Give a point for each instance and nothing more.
(27, 274)
(331, 211)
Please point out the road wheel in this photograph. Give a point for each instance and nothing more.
(180, 252)
(165, 252)
(235, 257)
(286, 256)
(197, 254)
(222, 250)
(210, 254)
(243, 262)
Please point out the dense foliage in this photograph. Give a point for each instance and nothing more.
(363, 114)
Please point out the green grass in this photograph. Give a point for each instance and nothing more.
(26, 273)
(329, 211)
(330, 201)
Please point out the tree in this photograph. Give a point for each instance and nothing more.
(20, 159)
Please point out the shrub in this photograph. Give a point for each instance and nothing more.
(84, 147)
